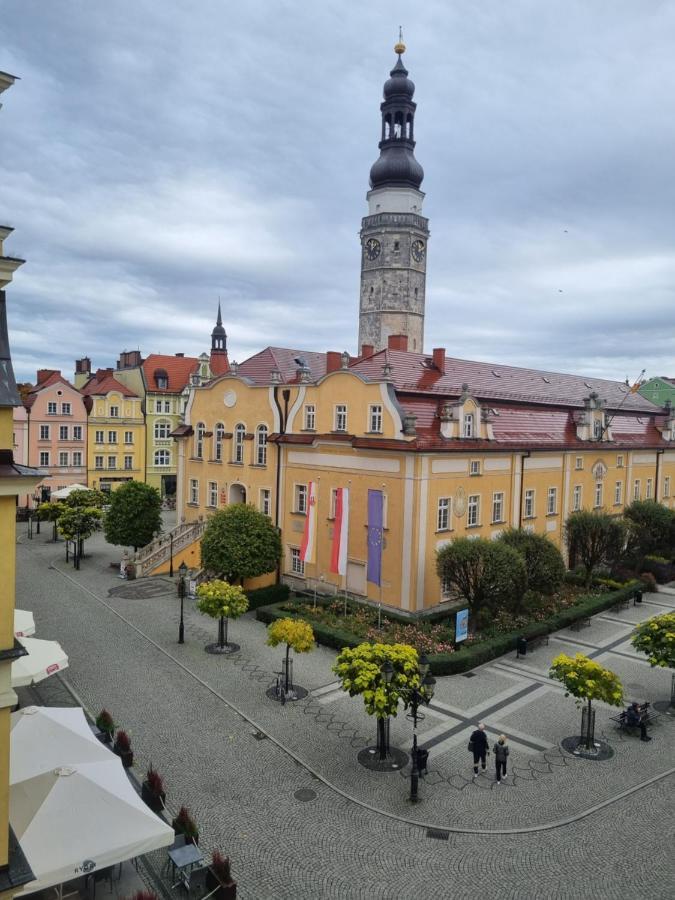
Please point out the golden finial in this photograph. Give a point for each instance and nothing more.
(400, 46)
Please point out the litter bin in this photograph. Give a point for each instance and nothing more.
(638, 597)
(422, 760)
(521, 647)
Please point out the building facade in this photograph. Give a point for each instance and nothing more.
(659, 390)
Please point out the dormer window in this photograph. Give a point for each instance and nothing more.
(597, 429)
(161, 379)
(468, 425)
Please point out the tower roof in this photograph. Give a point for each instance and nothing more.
(219, 330)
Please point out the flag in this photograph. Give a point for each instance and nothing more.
(338, 556)
(375, 516)
(307, 546)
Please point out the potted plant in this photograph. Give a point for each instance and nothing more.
(105, 724)
(144, 895)
(122, 747)
(219, 878)
(152, 790)
(185, 824)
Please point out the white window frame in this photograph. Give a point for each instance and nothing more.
(194, 490)
(297, 565)
(649, 489)
(444, 514)
(66, 409)
(529, 501)
(45, 432)
(98, 462)
(218, 440)
(474, 467)
(598, 497)
(114, 412)
(212, 494)
(128, 437)
(577, 497)
(77, 458)
(200, 430)
(497, 507)
(579, 463)
(618, 493)
(340, 421)
(64, 433)
(158, 406)
(159, 454)
(77, 432)
(44, 457)
(666, 487)
(375, 418)
(300, 499)
(128, 462)
(112, 437)
(266, 501)
(167, 406)
(162, 430)
(99, 437)
(619, 461)
(597, 428)
(473, 511)
(238, 443)
(468, 425)
(261, 445)
(113, 460)
(552, 501)
(636, 489)
(51, 408)
(64, 458)
(310, 417)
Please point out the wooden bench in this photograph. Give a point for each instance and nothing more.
(530, 644)
(622, 604)
(583, 622)
(623, 724)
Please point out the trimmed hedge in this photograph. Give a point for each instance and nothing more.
(469, 656)
(273, 593)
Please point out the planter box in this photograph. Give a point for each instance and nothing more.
(154, 801)
(222, 891)
(127, 757)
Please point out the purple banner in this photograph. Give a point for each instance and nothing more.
(375, 509)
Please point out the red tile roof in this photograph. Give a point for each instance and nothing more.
(219, 363)
(54, 377)
(177, 369)
(258, 367)
(103, 382)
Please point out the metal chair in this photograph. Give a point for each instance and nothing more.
(179, 841)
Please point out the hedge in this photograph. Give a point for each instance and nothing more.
(469, 656)
(273, 593)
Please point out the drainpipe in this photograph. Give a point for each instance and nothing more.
(283, 418)
(523, 457)
(659, 454)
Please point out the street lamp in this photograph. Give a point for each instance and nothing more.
(182, 572)
(36, 501)
(383, 724)
(413, 697)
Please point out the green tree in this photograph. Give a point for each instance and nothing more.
(221, 601)
(86, 497)
(543, 561)
(656, 638)
(295, 633)
(362, 672)
(50, 512)
(77, 523)
(651, 529)
(594, 539)
(487, 574)
(134, 517)
(240, 542)
(587, 680)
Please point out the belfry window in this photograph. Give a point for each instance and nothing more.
(408, 126)
(398, 125)
(386, 133)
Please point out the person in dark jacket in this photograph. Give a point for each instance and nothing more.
(501, 752)
(635, 716)
(480, 747)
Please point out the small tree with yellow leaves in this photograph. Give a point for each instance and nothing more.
(222, 601)
(296, 634)
(587, 680)
(656, 638)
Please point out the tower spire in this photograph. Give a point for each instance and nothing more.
(218, 335)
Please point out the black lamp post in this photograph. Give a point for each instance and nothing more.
(182, 572)
(36, 500)
(383, 724)
(171, 554)
(413, 697)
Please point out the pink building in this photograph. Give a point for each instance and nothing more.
(55, 432)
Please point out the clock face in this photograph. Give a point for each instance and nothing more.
(418, 251)
(372, 248)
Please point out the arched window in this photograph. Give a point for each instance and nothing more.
(386, 134)
(162, 429)
(162, 458)
(218, 437)
(238, 448)
(398, 125)
(261, 445)
(199, 440)
(408, 126)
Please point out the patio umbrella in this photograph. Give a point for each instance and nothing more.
(67, 491)
(24, 623)
(44, 658)
(45, 737)
(75, 819)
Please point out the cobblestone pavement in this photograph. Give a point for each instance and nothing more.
(238, 759)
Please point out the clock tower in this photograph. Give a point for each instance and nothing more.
(394, 234)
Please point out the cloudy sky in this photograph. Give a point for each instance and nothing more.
(157, 156)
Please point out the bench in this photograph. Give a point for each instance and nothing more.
(623, 724)
(622, 604)
(525, 644)
(583, 622)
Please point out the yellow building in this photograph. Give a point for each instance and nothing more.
(115, 432)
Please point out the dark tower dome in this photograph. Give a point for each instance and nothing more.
(399, 84)
(218, 335)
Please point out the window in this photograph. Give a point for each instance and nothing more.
(310, 417)
(51, 409)
(297, 565)
(44, 457)
(114, 412)
(44, 432)
(199, 440)
(238, 448)
(63, 457)
(194, 490)
(128, 437)
(618, 491)
(167, 406)
(112, 437)
(528, 508)
(77, 432)
(158, 406)
(261, 445)
(375, 419)
(576, 498)
(213, 493)
(636, 489)
(112, 462)
(77, 458)
(579, 462)
(497, 507)
(99, 437)
(218, 438)
(619, 462)
(598, 494)
(65, 409)
(666, 486)
(162, 430)
(162, 458)
(473, 510)
(265, 501)
(340, 417)
(301, 498)
(474, 467)
(597, 429)
(467, 427)
(552, 501)
(333, 503)
(443, 521)
(63, 432)
(128, 462)
(98, 462)
(648, 489)
(162, 382)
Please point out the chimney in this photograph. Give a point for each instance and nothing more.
(43, 374)
(181, 355)
(439, 359)
(83, 366)
(367, 350)
(398, 342)
(333, 361)
(129, 359)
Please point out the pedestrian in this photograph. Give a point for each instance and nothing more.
(478, 745)
(635, 716)
(501, 754)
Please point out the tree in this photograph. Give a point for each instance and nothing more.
(86, 497)
(656, 638)
(543, 561)
(487, 574)
(651, 529)
(587, 680)
(240, 542)
(134, 517)
(50, 512)
(222, 601)
(77, 523)
(295, 633)
(595, 538)
(360, 669)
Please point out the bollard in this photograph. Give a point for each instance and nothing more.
(521, 647)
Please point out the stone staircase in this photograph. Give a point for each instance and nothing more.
(159, 551)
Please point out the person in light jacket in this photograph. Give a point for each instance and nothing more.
(501, 752)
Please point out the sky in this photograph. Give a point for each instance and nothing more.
(159, 156)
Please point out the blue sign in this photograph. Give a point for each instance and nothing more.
(462, 625)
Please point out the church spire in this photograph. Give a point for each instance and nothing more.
(218, 335)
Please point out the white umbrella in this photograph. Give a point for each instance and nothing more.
(24, 623)
(44, 658)
(75, 819)
(67, 491)
(45, 737)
